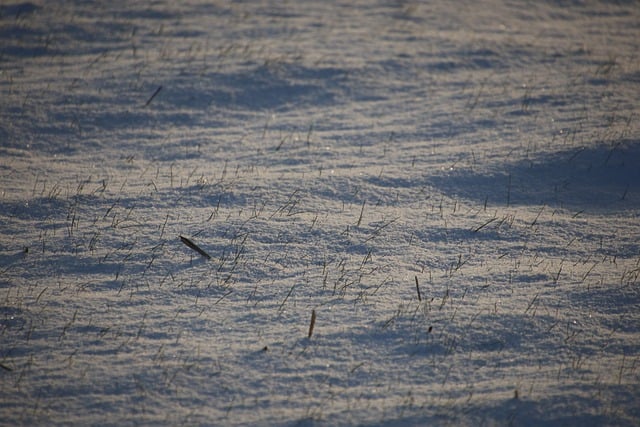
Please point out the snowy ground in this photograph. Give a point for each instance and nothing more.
(329, 156)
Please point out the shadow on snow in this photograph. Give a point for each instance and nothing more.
(592, 179)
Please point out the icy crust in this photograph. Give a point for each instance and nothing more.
(453, 190)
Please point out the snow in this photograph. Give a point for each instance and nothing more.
(329, 156)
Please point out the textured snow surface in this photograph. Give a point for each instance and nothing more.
(452, 187)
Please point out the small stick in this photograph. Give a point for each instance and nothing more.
(361, 213)
(6, 368)
(312, 323)
(418, 289)
(153, 96)
(195, 247)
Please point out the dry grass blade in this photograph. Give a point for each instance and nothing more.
(195, 247)
(153, 96)
(484, 225)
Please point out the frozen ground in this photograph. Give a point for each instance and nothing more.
(328, 156)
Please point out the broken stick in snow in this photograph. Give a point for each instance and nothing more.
(195, 247)
(312, 323)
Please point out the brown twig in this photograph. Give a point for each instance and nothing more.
(312, 323)
(194, 247)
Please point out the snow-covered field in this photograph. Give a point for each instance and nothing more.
(453, 188)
